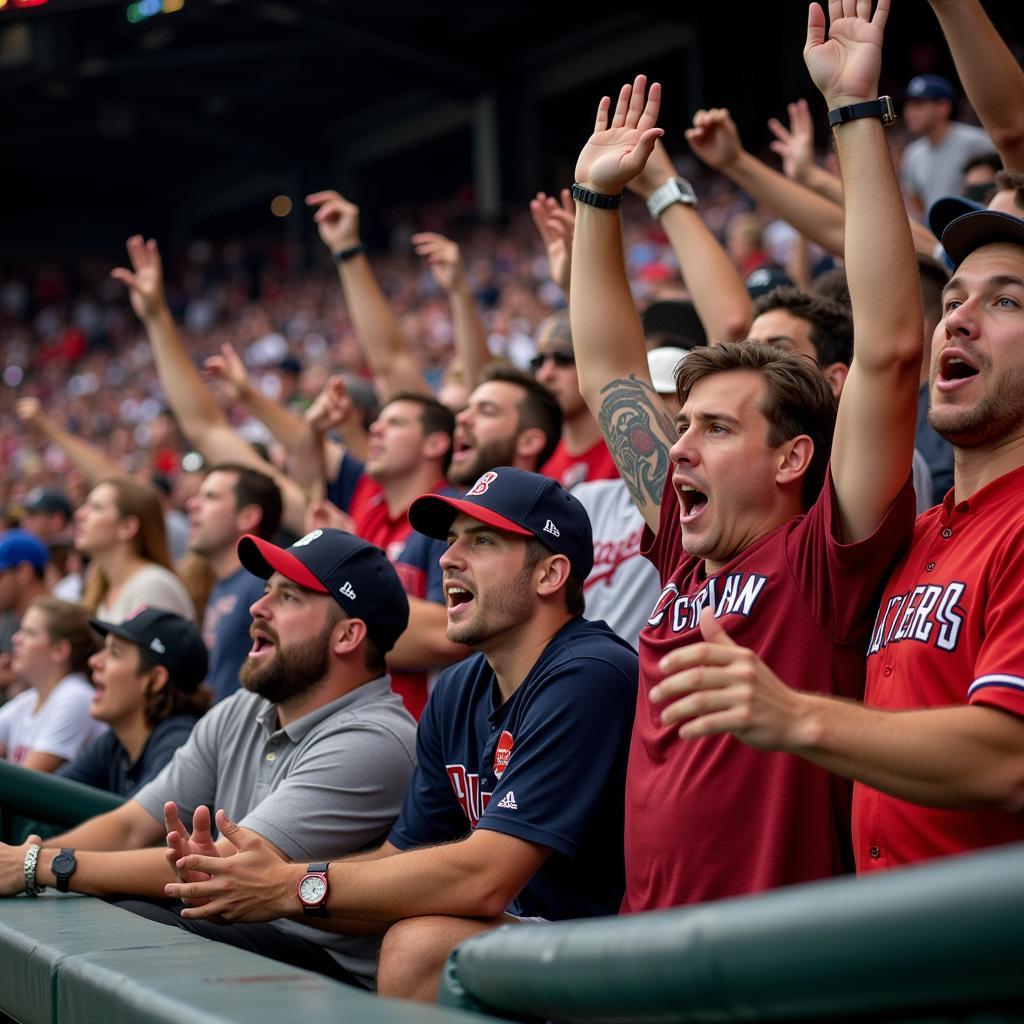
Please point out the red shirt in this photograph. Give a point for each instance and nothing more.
(713, 817)
(950, 631)
(596, 463)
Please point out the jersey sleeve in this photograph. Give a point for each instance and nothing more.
(568, 750)
(999, 667)
(430, 811)
(842, 582)
(419, 567)
(343, 487)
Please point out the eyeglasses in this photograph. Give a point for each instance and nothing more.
(558, 358)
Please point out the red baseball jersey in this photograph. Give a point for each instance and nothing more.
(713, 817)
(949, 631)
(596, 463)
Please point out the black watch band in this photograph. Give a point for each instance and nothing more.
(346, 254)
(598, 199)
(63, 867)
(881, 108)
(317, 869)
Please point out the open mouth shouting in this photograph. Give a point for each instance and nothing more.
(263, 642)
(462, 446)
(956, 370)
(457, 597)
(692, 502)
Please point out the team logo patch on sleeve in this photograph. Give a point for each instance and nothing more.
(502, 753)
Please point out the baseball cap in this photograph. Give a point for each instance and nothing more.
(41, 499)
(983, 227)
(663, 363)
(930, 87)
(519, 502)
(946, 209)
(766, 279)
(17, 546)
(168, 639)
(673, 322)
(355, 573)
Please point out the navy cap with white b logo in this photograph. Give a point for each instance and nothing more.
(518, 502)
(355, 573)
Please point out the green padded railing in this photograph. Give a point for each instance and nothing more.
(937, 942)
(30, 799)
(78, 960)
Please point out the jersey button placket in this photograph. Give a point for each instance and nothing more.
(947, 532)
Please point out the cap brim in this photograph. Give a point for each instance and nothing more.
(263, 559)
(982, 227)
(946, 209)
(117, 628)
(433, 515)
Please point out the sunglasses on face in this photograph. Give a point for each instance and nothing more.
(558, 358)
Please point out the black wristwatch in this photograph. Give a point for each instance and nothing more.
(63, 867)
(313, 890)
(598, 199)
(881, 108)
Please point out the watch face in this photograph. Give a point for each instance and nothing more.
(62, 863)
(312, 890)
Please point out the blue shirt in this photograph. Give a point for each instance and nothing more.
(226, 624)
(548, 766)
(104, 763)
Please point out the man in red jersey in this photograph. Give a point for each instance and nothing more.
(938, 747)
(746, 515)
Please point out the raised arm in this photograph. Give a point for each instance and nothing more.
(380, 337)
(874, 438)
(92, 462)
(719, 296)
(607, 337)
(795, 144)
(444, 258)
(200, 416)
(991, 76)
(555, 220)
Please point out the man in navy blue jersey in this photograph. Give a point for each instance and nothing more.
(516, 807)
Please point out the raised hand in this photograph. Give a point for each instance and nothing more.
(556, 223)
(714, 138)
(253, 884)
(443, 256)
(616, 152)
(658, 169)
(180, 843)
(324, 514)
(795, 143)
(145, 281)
(29, 411)
(846, 65)
(332, 407)
(336, 219)
(230, 372)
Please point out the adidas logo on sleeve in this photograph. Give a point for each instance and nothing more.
(508, 802)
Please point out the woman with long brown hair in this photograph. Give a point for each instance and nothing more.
(120, 526)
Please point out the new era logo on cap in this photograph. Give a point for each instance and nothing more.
(347, 591)
(156, 644)
(549, 527)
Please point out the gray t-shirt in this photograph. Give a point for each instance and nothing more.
(934, 171)
(324, 786)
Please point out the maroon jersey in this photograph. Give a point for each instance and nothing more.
(596, 463)
(949, 631)
(713, 817)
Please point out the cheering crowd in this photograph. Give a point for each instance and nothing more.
(404, 604)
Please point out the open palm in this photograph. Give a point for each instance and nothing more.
(616, 153)
(846, 65)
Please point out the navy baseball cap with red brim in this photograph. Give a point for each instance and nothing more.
(519, 502)
(355, 573)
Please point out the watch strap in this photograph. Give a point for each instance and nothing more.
(343, 255)
(62, 870)
(881, 108)
(675, 190)
(317, 869)
(598, 199)
(31, 862)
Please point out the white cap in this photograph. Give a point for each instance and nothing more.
(663, 363)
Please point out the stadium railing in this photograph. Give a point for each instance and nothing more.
(939, 942)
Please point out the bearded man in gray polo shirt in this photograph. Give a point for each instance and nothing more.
(314, 754)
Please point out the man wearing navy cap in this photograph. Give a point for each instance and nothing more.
(933, 164)
(23, 560)
(516, 806)
(937, 749)
(313, 754)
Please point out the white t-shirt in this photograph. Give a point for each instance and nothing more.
(935, 171)
(62, 726)
(152, 586)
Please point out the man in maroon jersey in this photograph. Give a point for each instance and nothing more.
(746, 515)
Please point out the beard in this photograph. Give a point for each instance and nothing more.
(288, 672)
(998, 414)
(504, 608)
(499, 452)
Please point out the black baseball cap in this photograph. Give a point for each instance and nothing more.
(355, 573)
(930, 87)
(984, 227)
(48, 500)
(167, 639)
(946, 209)
(518, 502)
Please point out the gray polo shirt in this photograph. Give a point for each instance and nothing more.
(324, 786)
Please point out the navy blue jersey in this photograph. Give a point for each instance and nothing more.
(547, 766)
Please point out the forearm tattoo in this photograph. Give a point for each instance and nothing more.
(636, 428)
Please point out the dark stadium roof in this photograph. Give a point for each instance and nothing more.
(186, 115)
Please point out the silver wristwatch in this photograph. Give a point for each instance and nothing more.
(675, 190)
(31, 859)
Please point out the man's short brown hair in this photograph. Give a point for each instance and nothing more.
(798, 399)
